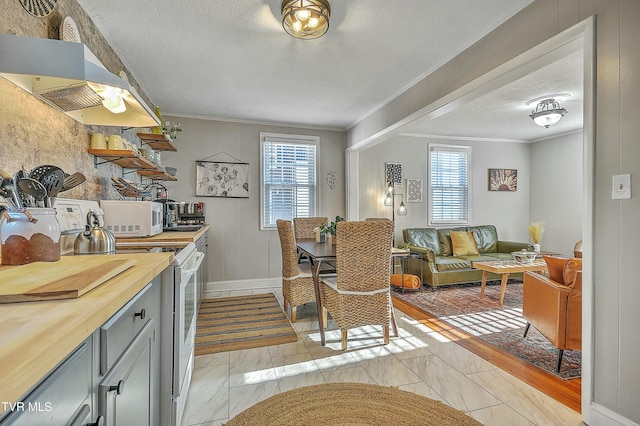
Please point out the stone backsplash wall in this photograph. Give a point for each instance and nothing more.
(33, 133)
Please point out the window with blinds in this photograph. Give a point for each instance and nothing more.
(288, 178)
(449, 184)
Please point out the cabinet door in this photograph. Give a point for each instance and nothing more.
(62, 397)
(124, 395)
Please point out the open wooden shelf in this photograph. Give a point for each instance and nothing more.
(125, 158)
(158, 142)
(156, 175)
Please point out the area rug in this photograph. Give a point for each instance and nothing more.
(241, 322)
(351, 404)
(501, 326)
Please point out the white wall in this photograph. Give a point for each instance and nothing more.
(508, 211)
(238, 250)
(556, 191)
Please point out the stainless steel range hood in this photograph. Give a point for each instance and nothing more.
(69, 77)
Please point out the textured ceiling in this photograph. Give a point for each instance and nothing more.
(502, 113)
(231, 59)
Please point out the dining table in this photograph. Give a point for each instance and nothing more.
(321, 254)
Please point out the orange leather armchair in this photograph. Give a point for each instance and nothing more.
(553, 304)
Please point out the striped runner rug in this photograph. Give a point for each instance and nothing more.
(241, 322)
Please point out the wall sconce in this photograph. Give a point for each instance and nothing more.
(390, 201)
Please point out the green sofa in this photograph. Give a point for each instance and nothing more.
(440, 267)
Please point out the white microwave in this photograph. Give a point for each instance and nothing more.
(127, 218)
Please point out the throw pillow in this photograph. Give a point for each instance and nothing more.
(555, 266)
(570, 271)
(463, 243)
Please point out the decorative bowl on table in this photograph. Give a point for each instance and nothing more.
(524, 257)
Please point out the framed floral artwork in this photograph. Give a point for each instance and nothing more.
(503, 180)
(220, 179)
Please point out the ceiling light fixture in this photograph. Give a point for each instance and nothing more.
(305, 19)
(548, 110)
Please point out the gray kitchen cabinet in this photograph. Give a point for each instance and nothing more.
(112, 378)
(125, 394)
(128, 393)
(202, 245)
(64, 397)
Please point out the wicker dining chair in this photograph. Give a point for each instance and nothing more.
(297, 281)
(359, 295)
(304, 228)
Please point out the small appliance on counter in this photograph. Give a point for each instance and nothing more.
(94, 239)
(183, 216)
(129, 218)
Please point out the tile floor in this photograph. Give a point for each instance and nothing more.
(420, 360)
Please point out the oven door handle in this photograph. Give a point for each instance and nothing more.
(199, 257)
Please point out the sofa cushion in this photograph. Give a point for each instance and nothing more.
(463, 243)
(450, 263)
(486, 238)
(555, 266)
(422, 237)
(490, 257)
(445, 241)
(570, 271)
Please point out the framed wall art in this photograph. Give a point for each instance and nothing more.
(503, 180)
(414, 190)
(222, 179)
(393, 173)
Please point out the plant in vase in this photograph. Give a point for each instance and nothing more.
(331, 228)
(536, 229)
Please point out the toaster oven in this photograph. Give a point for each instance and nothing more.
(128, 218)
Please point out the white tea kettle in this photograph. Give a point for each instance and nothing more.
(94, 239)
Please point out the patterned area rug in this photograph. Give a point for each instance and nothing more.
(501, 326)
(241, 322)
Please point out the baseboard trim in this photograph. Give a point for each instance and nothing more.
(253, 284)
(602, 416)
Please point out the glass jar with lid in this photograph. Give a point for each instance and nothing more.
(31, 235)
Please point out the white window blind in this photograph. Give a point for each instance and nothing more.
(288, 180)
(449, 182)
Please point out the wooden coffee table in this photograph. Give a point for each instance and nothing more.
(504, 268)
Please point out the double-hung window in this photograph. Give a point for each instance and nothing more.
(449, 184)
(288, 178)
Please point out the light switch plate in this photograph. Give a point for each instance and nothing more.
(621, 187)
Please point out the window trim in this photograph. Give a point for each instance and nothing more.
(445, 147)
(291, 139)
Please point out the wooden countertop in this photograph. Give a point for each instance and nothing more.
(170, 236)
(36, 336)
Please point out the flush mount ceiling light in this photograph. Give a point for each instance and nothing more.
(548, 110)
(305, 19)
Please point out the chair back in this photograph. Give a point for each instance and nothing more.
(288, 247)
(304, 226)
(363, 255)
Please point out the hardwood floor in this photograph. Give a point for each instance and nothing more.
(565, 391)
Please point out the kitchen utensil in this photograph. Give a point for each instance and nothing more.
(94, 239)
(18, 195)
(33, 188)
(68, 282)
(71, 181)
(6, 186)
(52, 177)
(8, 198)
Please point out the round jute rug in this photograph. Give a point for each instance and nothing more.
(351, 404)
